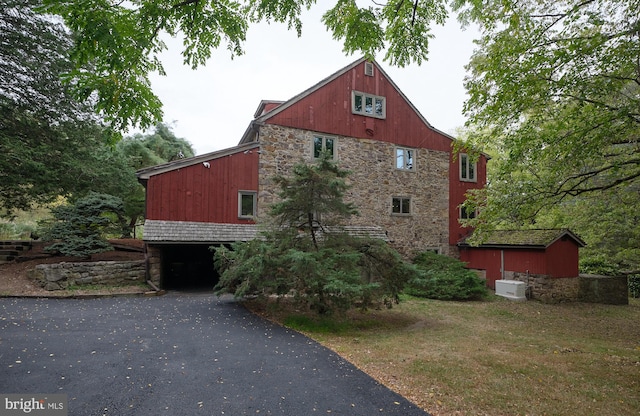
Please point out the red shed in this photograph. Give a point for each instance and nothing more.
(552, 253)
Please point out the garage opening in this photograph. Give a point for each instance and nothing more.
(188, 267)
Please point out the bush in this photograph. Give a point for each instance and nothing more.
(444, 278)
(344, 273)
(80, 229)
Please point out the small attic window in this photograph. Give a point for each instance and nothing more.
(368, 69)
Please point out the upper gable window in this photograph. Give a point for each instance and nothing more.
(368, 105)
(368, 69)
(323, 144)
(468, 168)
(405, 159)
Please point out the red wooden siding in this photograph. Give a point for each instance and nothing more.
(328, 110)
(457, 192)
(562, 258)
(200, 194)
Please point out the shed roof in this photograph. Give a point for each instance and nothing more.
(540, 238)
(160, 231)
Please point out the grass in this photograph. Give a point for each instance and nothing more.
(495, 357)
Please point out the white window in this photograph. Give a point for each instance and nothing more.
(322, 144)
(468, 168)
(400, 205)
(405, 159)
(368, 105)
(467, 213)
(247, 204)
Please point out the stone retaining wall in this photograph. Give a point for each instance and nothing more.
(583, 288)
(60, 276)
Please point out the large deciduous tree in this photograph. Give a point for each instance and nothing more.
(121, 41)
(48, 139)
(555, 90)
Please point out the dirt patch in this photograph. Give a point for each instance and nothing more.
(15, 282)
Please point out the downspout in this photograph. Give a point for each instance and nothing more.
(502, 264)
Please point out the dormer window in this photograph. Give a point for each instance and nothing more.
(368, 105)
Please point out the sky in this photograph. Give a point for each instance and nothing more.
(211, 107)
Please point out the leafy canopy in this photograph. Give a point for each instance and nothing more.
(117, 44)
(555, 91)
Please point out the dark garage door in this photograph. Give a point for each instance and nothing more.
(188, 267)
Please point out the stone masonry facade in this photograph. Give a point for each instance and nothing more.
(374, 181)
(61, 276)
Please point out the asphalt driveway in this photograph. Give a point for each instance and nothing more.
(178, 354)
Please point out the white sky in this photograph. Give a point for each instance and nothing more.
(212, 106)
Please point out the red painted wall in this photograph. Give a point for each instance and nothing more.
(457, 192)
(563, 258)
(559, 260)
(200, 194)
(328, 110)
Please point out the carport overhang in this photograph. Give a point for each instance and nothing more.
(178, 251)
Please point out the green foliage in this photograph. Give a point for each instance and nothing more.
(80, 229)
(599, 265)
(444, 278)
(554, 90)
(121, 42)
(306, 255)
(634, 285)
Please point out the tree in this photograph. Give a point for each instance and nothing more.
(79, 229)
(307, 254)
(121, 41)
(555, 90)
(47, 138)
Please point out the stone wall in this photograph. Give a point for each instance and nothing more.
(548, 289)
(154, 264)
(604, 289)
(374, 181)
(60, 276)
(583, 288)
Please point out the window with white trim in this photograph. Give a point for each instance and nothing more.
(405, 158)
(401, 205)
(468, 168)
(324, 144)
(368, 105)
(247, 201)
(467, 213)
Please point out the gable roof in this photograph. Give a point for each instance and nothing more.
(541, 238)
(249, 133)
(145, 173)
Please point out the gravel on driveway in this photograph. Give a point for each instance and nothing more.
(178, 354)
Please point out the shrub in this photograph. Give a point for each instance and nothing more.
(80, 229)
(444, 278)
(634, 285)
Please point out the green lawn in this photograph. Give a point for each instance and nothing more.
(495, 357)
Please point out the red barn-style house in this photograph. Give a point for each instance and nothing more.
(405, 179)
